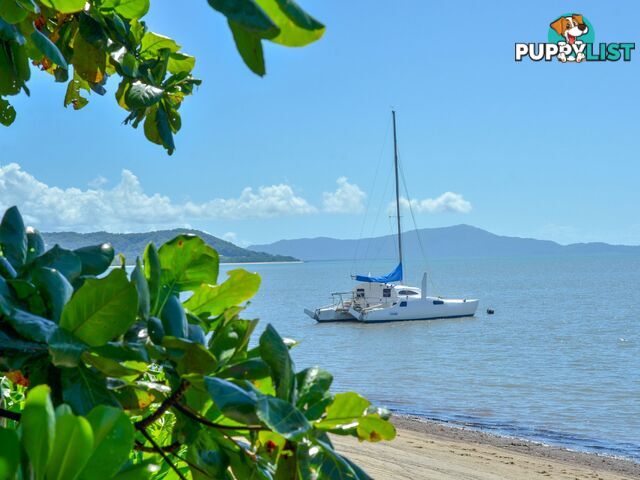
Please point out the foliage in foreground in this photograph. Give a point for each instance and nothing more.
(151, 375)
(102, 38)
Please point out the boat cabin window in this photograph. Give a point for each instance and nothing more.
(438, 302)
(403, 304)
(360, 293)
(407, 292)
(386, 292)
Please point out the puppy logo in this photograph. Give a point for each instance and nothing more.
(572, 29)
(571, 39)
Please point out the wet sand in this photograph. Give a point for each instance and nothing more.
(429, 450)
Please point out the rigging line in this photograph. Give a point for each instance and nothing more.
(371, 190)
(377, 217)
(415, 224)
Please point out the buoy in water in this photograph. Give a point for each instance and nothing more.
(490, 311)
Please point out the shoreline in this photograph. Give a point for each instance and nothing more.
(426, 449)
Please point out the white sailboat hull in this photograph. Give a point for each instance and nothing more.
(429, 308)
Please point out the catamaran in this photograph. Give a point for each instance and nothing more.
(385, 298)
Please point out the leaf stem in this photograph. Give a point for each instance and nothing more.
(200, 419)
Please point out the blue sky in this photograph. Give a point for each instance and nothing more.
(530, 149)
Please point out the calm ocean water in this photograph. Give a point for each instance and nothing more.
(558, 362)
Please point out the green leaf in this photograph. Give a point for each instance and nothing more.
(28, 325)
(233, 401)
(13, 238)
(14, 68)
(282, 417)
(65, 261)
(248, 15)
(276, 354)
(8, 343)
(89, 61)
(191, 357)
(7, 112)
(48, 48)
(155, 330)
(313, 391)
(174, 320)
(297, 28)
(9, 453)
(232, 338)
(374, 429)
(54, 287)
(157, 128)
(206, 454)
(65, 349)
(127, 8)
(101, 309)
(12, 11)
(95, 259)
(251, 369)
(113, 441)
(152, 272)
(38, 428)
(84, 389)
(180, 62)
(113, 368)
(196, 334)
(72, 448)
(152, 43)
(213, 300)
(186, 262)
(138, 471)
(344, 412)
(249, 47)
(68, 6)
(164, 129)
(333, 466)
(73, 96)
(142, 287)
(141, 95)
(6, 270)
(11, 33)
(35, 244)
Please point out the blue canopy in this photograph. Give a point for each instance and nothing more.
(394, 276)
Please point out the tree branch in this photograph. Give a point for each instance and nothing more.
(158, 449)
(164, 406)
(200, 419)
(172, 447)
(191, 464)
(15, 416)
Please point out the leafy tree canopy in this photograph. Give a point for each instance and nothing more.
(149, 373)
(84, 42)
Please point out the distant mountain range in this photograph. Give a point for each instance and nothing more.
(454, 241)
(132, 245)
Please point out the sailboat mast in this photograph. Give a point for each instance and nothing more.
(395, 165)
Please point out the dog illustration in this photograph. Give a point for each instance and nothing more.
(571, 28)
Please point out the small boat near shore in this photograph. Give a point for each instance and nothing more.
(385, 298)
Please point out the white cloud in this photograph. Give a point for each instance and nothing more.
(347, 198)
(447, 202)
(126, 207)
(98, 182)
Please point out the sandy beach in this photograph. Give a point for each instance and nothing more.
(428, 450)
